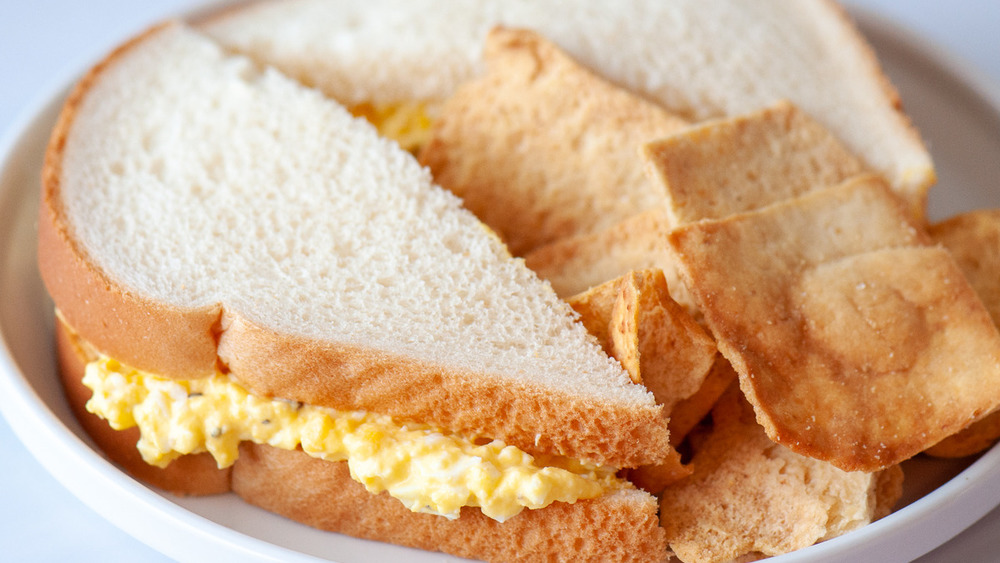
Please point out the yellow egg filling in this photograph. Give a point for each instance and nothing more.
(425, 468)
(407, 123)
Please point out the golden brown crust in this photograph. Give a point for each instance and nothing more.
(184, 343)
(189, 475)
(616, 527)
(529, 417)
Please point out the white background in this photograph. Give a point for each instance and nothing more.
(45, 42)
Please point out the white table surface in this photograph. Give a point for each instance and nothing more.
(45, 41)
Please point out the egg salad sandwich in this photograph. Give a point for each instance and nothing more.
(256, 292)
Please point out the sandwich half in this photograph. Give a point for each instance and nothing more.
(271, 298)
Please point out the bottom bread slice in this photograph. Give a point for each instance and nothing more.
(620, 526)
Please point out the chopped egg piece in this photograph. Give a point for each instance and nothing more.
(427, 469)
(407, 123)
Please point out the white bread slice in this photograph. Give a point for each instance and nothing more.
(198, 210)
(698, 59)
(621, 526)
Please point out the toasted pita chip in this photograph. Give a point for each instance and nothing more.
(855, 343)
(677, 353)
(688, 413)
(751, 496)
(888, 490)
(624, 327)
(535, 163)
(657, 342)
(654, 338)
(654, 478)
(574, 264)
(973, 238)
(973, 439)
(684, 417)
(743, 163)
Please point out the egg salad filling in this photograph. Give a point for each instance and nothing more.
(407, 123)
(427, 469)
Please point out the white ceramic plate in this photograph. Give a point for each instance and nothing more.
(958, 114)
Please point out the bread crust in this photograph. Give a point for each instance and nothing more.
(347, 377)
(617, 527)
(188, 343)
(620, 526)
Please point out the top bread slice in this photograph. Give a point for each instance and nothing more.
(199, 210)
(697, 59)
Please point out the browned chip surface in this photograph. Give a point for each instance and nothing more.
(746, 162)
(625, 328)
(972, 439)
(973, 238)
(541, 148)
(688, 413)
(677, 353)
(854, 343)
(749, 495)
(657, 342)
(574, 264)
(654, 338)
